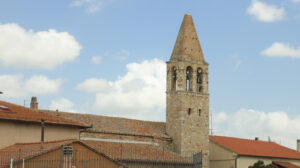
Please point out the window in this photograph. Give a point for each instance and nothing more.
(189, 111)
(188, 78)
(67, 157)
(199, 112)
(199, 79)
(174, 78)
(199, 76)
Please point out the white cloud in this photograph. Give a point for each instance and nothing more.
(42, 85)
(92, 6)
(278, 49)
(94, 85)
(249, 123)
(15, 86)
(296, 0)
(62, 104)
(28, 49)
(264, 12)
(139, 94)
(96, 59)
(120, 55)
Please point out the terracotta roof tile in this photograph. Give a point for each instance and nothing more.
(137, 152)
(28, 150)
(112, 150)
(9, 111)
(255, 148)
(117, 125)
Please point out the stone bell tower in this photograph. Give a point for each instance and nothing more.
(187, 94)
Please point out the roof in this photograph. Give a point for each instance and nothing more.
(116, 125)
(30, 150)
(255, 147)
(187, 46)
(136, 152)
(285, 164)
(112, 150)
(9, 111)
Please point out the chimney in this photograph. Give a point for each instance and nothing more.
(34, 104)
(298, 145)
(256, 139)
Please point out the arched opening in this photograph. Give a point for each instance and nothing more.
(188, 78)
(199, 79)
(174, 78)
(199, 76)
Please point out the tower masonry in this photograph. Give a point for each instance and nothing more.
(187, 94)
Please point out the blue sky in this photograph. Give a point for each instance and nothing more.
(107, 57)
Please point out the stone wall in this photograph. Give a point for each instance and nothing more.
(188, 111)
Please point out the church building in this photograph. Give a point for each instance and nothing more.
(185, 133)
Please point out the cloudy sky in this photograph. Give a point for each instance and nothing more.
(107, 57)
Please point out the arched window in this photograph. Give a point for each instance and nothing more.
(199, 79)
(188, 78)
(199, 76)
(174, 78)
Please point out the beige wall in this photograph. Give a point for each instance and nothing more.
(220, 157)
(245, 161)
(17, 132)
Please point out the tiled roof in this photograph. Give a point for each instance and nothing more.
(117, 125)
(112, 150)
(9, 111)
(137, 152)
(28, 150)
(286, 164)
(255, 147)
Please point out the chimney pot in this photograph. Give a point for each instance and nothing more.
(34, 104)
(256, 138)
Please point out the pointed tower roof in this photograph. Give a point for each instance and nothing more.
(187, 46)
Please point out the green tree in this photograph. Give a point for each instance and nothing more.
(261, 164)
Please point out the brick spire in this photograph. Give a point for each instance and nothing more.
(187, 46)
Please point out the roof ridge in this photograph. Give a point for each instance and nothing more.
(89, 114)
(245, 139)
(22, 113)
(47, 142)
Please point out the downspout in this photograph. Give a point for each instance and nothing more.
(236, 161)
(42, 133)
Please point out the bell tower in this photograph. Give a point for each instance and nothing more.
(187, 94)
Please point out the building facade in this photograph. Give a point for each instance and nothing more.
(20, 124)
(230, 152)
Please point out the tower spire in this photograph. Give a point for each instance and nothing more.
(187, 46)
